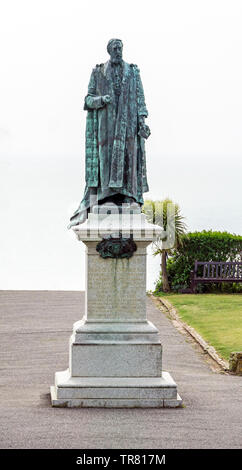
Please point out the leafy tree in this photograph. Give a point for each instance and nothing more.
(167, 214)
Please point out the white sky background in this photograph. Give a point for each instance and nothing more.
(189, 55)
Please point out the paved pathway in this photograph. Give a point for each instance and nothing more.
(35, 329)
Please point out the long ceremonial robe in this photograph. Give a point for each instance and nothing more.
(115, 153)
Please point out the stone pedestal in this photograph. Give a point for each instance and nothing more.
(115, 355)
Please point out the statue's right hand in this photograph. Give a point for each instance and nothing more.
(107, 99)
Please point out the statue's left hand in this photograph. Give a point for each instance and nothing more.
(144, 131)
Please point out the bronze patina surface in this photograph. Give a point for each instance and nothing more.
(115, 133)
(112, 247)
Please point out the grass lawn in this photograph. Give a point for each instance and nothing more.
(216, 317)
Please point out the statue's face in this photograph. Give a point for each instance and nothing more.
(116, 52)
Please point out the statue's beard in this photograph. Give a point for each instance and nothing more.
(116, 60)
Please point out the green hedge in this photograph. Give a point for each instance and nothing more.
(201, 246)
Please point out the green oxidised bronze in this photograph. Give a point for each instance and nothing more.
(116, 247)
(115, 133)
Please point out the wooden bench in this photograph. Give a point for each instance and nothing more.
(215, 271)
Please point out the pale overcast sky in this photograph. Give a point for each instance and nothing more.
(189, 55)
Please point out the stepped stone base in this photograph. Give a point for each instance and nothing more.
(118, 392)
(115, 354)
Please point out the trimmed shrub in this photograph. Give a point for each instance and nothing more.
(202, 246)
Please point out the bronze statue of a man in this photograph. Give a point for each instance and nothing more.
(115, 133)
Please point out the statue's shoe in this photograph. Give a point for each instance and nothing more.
(129, 200)
(112, 208)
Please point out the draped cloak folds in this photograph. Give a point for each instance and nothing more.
(115, 153)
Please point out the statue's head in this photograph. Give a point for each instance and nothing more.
(115, 50)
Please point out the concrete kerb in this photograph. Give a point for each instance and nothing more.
(179, 324)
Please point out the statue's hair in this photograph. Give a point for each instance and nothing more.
(110, 43)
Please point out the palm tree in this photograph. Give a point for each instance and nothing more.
(167, 214)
